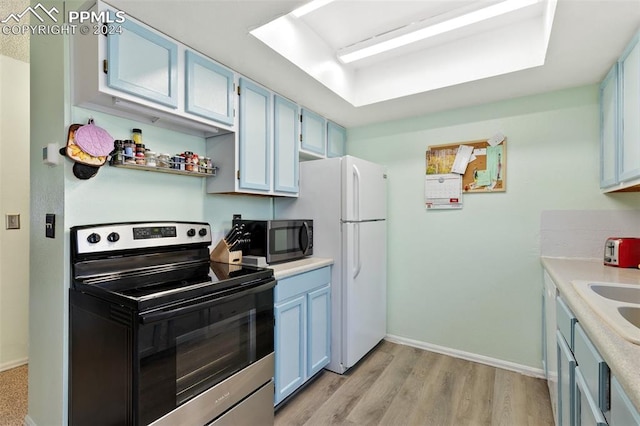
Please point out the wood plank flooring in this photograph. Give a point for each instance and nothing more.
(401, 385)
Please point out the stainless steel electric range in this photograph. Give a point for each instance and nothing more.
(160, 335)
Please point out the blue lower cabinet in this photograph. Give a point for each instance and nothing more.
(566, 383)
(302, 330)
(290, 345)
(318, 329)
(587, 410)
(623, 413)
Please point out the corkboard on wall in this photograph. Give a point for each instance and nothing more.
(485, 173)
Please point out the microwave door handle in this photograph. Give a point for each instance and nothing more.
(305, 232)
(188, 308)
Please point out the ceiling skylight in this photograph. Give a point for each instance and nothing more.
(393, 41)
(309, 7)
(409, 47)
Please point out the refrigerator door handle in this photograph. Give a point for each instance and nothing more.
(356, 192)
(356, 249)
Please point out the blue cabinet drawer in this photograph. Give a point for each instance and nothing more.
(566, 383)
(594, 369)
(302, 283)
(623, 413)
(565, 320)
(587, 410)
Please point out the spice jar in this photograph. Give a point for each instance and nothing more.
(195, 161)
(208, 165)
(140, 158)
(140, 154)
(150, 159)
(136, 135)
(129, 151)
(175, 162)
(163, 160)
(188, 161)
(118, 152)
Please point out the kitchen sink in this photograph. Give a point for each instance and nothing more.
(615, 292)
(617, 304)
(631, 314)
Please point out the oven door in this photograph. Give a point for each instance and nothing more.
(188, 348)
(289, 240)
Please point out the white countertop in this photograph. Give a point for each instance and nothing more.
(622, 356)
(287, 269)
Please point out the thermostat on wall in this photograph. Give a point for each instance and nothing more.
(50, 155)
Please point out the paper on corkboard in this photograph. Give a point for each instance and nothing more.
(485, 172)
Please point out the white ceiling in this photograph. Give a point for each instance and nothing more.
(586, 39)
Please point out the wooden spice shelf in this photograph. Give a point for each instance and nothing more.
(165, 170)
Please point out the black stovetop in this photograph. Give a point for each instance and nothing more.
(140, 293)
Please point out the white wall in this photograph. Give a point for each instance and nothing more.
(470, 279)
(582, 233)
(14, 199)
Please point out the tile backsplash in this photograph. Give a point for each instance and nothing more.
(582, 233)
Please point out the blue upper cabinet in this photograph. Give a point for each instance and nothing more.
(286, 135)
(629, 72)
(314, 133)
(143, 63)
(255, 136)
(619, 123)
(209, 89)
(336, 140)
(609, 129)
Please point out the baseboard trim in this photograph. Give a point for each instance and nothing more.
(469, 356)
(13, 364)
(28, 421)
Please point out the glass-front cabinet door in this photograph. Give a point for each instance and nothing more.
(143, 63)
(209, 89)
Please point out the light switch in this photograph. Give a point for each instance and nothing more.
(13, 221)
(50, 225)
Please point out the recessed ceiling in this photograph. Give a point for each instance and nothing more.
(451, 43)
(587, 38)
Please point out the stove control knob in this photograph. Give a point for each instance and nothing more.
(93, 238)
(191, 232)
(113, 237)
(202, 232)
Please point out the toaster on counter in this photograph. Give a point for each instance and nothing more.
(622, 252)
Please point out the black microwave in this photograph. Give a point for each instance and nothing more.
(279, 240)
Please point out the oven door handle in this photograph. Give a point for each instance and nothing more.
(161, 315)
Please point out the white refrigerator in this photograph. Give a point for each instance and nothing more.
(346, 198)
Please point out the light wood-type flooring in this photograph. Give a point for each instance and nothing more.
(401, 385)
